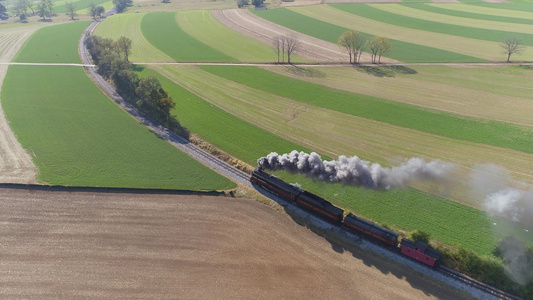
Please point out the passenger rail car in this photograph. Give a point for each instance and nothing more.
(323, 208)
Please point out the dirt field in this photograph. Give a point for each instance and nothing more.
(243, 21)
(16, 165)
(87, 245)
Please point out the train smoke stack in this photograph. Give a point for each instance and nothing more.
(354, 171)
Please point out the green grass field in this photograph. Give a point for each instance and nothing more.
(53, 44)
(81, 6)
(450, 11)
(406, 209)
(79, 137)
(402, 51)
(162, 31)
(444, 124)
(205, 28)
(129, 25)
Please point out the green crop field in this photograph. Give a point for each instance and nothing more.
(402, 51)
(442, 38)
(79, 137)
(217, 126)
(407, 209)
(496, 10)
(129, 25)
(53, 44)
(205, 28)
(162, 31)
(480, 131)
(81, 6)
(487, 92)
(450, 11)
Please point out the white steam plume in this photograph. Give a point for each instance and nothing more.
(354, 171)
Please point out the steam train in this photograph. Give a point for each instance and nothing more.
(322, 208)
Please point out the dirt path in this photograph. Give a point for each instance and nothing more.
(64, 245)
(16, 165)
(243, 21)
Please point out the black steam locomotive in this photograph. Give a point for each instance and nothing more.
(329, 212)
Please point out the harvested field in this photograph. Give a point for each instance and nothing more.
(245, 22)
(16, 165)
(107, 246)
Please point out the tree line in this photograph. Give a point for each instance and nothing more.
(147, 94)
(355, 44)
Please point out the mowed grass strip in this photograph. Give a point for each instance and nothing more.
(408, 116)
(129, 25)
(80, 138)
(408, 209)
(162, 31)
(204, 27)
(499, 93)
(401, 50)
(412, 12)
(449, 10)
(53, 44)
(455, 44)
(222, 129)
(490, 10)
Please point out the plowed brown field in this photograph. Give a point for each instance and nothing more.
(65, 245)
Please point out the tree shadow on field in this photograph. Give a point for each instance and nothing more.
(138, 68)
(526, 67)
(385, 71)
(305, 72)
(342, 241)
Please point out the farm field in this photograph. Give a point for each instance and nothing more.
(495, 93)
(407, 116)
(205, 28)
(475, 12)
(53, 44)
(292, 121)
(480, 43)
(405, 51)
(79, 137)
(125, 246)
(129, 25)
(175, 42)
(15, 163)
(81, 5)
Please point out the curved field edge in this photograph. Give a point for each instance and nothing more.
(202, 26)
(402, 51)
(163, 32)
(434, 214)
(129, 25)
(53, 44)
(408, 116)
(81, 138)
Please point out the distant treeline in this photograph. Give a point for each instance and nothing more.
(111, 58)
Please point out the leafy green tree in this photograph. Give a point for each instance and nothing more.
(123, 46)
(23, 18)
(42, 10)
(3, 12)
(420, 236)
(257, 3)
(378, 46)
(353, 42)
(121, 5)
(71, 10)
(21, 7)
(242, 3)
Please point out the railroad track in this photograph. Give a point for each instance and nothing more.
(478, 285)
(175, 139)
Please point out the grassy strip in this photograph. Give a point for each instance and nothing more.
(408, 11)
(444, 124)
(78, 5)
(53, 44)
(221, 128)
(407, 209)
(80, 138)
(491, 10)
(129, 25)
(205, 28)
(162, 31)
(450, 11)
(403, 51)
(518, 6)
(375, 13)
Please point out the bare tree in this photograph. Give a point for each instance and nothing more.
(277, 42)
(71, 10)
(512, 45)
(291, 44)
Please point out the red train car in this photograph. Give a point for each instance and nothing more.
(421, 252)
